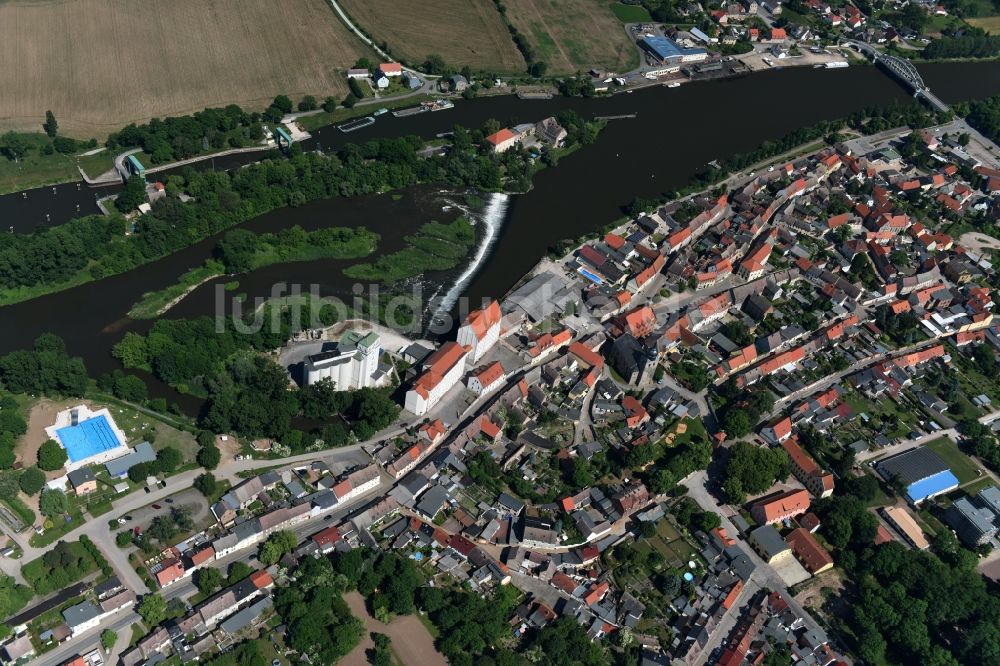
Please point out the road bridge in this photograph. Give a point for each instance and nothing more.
(905, 71)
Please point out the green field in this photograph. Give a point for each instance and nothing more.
(961, 465)
(37, 169)
(630, 13)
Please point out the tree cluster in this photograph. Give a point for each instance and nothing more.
(967, 43)
(12, 426)
(170, 139)
(753, 469)
(50, 255)
(46, 369)
(319, 622)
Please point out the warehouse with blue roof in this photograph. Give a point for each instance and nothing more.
(922, 473)
(669, 52)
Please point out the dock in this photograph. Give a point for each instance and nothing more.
(356, 124)
(621, 116)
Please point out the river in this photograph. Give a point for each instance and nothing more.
(675, 133)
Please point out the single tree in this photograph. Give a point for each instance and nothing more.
(51, 456)
(206, 484)
(108, 638)
(52, 502)
(51, 127)
(208, 580)
(32, 481)
(153, 610)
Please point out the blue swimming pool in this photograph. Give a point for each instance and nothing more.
(87, 438)
(590, 276)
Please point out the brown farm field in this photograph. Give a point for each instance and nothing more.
(462, 32)
(101, 64)
(990, 24)
(573, 35)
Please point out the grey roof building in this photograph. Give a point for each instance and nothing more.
(80, 614)
(245, 617)
(912, 465)
(973, 524)
(119, 467)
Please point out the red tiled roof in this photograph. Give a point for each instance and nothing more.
(439, 363)
(261, 579)
(500, 137)
(328, 536)
(484, 319)
(586, 354)
(203, 555)
(809, 551)
(490, 373)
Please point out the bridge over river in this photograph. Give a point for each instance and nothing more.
(903, 70)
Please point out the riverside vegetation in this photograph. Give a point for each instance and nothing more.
(93, 247)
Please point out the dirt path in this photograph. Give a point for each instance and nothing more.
(411, 642)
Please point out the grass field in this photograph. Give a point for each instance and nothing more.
(990, 24)
(574, 35)
(463, 32)
(101, 64)
(961, 465)
(631, 13)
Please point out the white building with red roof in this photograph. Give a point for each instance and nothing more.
(485, 380)
(357, 483)
(502, 141)
(481, 330)
(391, 69)
(443, 369)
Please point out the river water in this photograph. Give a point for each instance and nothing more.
(674, 134)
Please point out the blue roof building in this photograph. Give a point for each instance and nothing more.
(923, 473)
(942, 482)
(668, 51)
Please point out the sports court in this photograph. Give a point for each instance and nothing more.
(88, 438)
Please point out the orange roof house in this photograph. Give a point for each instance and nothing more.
(501, 140)
(204, 555)
(488, 428)
(326, 538)
(484, 319)
(390, 68)
(439, 363)
(171, 569)
(586, 355)
(635, 413)
(491, 373)
(640, 322)
(261, 579)
(782, 505)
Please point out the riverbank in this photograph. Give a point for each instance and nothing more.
(293, 245)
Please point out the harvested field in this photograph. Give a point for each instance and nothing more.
(990, 24)
(574, 35)
(463, 32)
(101, 64)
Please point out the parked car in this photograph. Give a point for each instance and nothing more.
(121, 521)
(157, 506)
(169, 501)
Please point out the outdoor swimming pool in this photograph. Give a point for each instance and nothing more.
(590, 276)
(88, 438)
